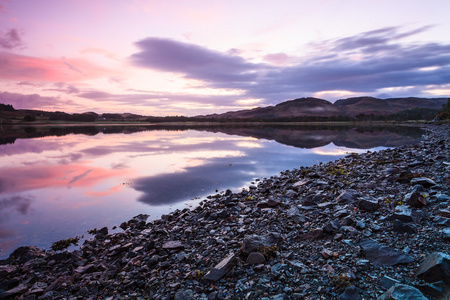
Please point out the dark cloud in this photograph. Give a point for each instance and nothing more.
(193, 61)
(363, 63)
(10, 39)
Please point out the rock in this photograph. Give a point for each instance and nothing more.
(402, 213)
(183, 295)
(446, 233)
(312, 235)
(368, 204)
(423, 181)
(402, 292)
(255, 258)
(26, 253)
(221, 269)
(437, 290)
(348, 196)
(400, 227)
(435, 267)
(444, 213)
(350, 293)
(383, 255)
(326, 253)
(332, 227)
(20, 289)
(171, 245)
(387, 282)
(415, 199)
(253, 243)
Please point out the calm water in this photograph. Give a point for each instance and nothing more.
(56, 183)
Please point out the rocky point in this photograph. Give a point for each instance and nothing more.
(368, 226)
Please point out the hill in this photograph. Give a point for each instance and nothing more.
(351, 107)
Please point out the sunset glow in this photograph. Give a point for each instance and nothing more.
(191, 58)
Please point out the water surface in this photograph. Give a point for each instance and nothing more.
(56, 183)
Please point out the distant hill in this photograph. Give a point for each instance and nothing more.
(375, 106)
(351, 107)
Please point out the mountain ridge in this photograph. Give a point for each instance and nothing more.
(350, 107)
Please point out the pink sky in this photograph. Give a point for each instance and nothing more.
(199, 57)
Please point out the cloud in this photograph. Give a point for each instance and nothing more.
(27, 68)
(194, 61)
(10, 39)
(364, 63)
(30, 101)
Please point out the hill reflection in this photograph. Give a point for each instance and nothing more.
(300, 136)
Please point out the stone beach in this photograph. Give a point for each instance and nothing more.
(367, 226)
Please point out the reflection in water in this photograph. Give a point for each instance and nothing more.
(61, 184)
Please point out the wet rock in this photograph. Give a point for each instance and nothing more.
(435, 267)
(254, 243)
(384, 255)
(221, 269)
(402, 292)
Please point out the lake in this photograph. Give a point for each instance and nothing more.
(59, 182)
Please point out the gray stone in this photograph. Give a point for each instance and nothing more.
(402, 213)
(423, 181)
(183, 295)
(253, 243)
(170, 245)
(446, 233)
(400, 227)
(415, 199)
(332, 227)
(348, 196)
(255, 258)
(383, 255)
(221, 269)
(387, 282)
(435, 267)
(402, 292)
(350, 293)
(437, 290)
(368, 204)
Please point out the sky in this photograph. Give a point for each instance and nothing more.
(190, 58)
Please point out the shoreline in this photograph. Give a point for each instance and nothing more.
(307, 233)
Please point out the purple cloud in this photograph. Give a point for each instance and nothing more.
(29, 101)
(362, 63)
(192, 60)
(10, 39)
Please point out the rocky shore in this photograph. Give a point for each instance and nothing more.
(368, 226)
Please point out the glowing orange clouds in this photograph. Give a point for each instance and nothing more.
(20, 67)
